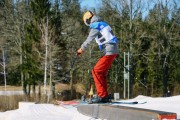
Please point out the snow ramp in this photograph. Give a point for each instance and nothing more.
(113, 112)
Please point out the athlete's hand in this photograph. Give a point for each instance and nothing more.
(79, 52)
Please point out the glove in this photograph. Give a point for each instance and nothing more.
(79, 52)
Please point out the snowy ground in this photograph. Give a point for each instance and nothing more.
(31, 111)
(9, 93)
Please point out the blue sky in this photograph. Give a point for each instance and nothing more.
(96, 4)
(90, 4)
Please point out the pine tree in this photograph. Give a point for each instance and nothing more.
(48, 21)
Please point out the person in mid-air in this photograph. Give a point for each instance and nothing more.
(108, 44)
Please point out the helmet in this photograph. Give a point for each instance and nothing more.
(87, 17)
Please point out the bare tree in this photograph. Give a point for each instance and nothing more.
(15, 17)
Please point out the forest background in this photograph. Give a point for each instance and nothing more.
(39, 39)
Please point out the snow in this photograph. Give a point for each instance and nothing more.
(168, 104)
(32, 111)
(9, 93)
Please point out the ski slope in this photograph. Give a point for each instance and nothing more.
(31, 111)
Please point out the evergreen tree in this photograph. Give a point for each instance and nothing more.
(48, 22)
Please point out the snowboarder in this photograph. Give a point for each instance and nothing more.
(108, 44)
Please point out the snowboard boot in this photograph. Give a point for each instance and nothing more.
(98, 99)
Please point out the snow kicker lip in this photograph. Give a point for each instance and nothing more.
(113, 112)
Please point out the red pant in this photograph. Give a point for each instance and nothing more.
(100, 72)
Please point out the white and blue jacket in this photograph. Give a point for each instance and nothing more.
(102, 33)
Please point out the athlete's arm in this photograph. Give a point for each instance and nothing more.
(92, 35)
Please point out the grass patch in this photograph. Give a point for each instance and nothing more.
(10, 102)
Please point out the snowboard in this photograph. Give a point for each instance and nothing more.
(79, 102)
(73, 102)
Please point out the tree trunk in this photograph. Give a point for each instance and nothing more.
(53, 90)
(4, 68)
(39, 90)
(71, 83)
(50, 77)
(165, 75)
(34, 88)
(29, 89)
(45, 27)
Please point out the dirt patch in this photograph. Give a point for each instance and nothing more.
(64, 92)
(80, 88)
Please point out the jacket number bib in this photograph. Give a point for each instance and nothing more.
(106, 35)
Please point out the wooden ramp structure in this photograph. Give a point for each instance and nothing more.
(117, 112)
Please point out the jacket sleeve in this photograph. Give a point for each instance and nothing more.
(92, 35)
